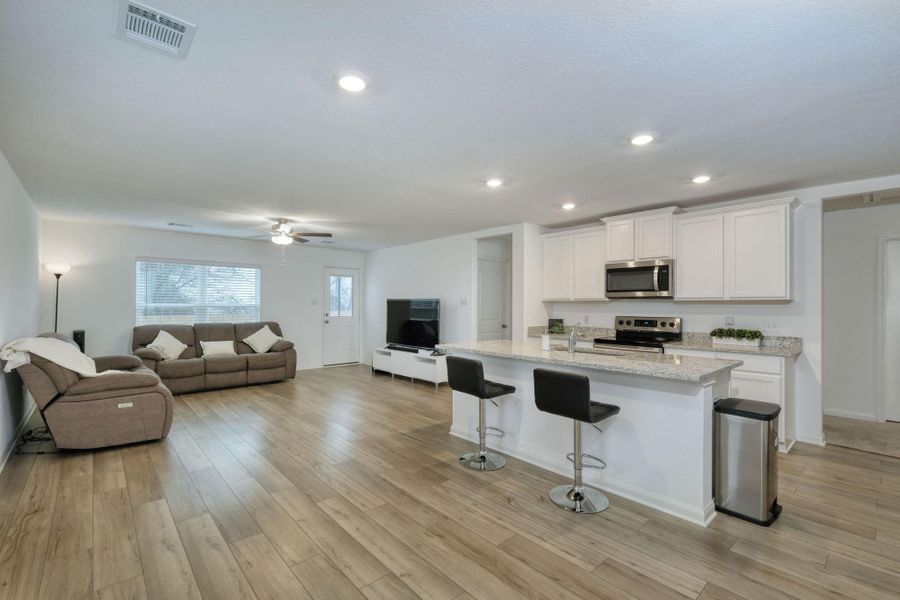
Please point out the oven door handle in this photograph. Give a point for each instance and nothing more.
(656, 278)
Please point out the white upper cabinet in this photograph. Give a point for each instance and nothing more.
(589, 278)
(736, 253)
(700, 247)
(573, 265)
(757, 259)
(653, 236)
(557, 265)
(640, 236)
(620, 239)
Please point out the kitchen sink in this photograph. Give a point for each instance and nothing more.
(599, 351)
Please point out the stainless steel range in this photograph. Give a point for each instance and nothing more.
(642, 334)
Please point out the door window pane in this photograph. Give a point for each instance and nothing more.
(341, 296)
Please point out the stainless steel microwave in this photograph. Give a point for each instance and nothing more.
(640, 279)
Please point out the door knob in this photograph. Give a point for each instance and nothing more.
(503, 326)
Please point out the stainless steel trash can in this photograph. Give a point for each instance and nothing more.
(745, 459)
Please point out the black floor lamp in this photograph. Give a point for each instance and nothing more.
(58, 271)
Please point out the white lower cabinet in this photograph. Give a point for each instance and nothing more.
(763, 378)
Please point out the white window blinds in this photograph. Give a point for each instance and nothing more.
(186, 292)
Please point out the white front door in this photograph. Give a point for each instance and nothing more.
(891, 334)
(341, 328)
(494, 299)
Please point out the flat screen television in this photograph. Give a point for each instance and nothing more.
(414, 323)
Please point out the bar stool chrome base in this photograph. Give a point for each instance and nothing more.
(489, 461)
(587, 500)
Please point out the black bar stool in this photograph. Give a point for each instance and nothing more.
(467, 376)
(569, 395)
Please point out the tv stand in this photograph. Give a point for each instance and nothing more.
(407, 362)
(401, 348)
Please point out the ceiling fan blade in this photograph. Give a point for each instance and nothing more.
(312, 234)
(264, 236)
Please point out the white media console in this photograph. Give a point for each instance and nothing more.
(411, 364)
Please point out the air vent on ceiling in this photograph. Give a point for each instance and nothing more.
(147, 26)
(176, 224)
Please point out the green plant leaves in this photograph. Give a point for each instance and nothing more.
(738, 334)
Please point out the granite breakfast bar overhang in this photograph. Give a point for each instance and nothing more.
(658, 449)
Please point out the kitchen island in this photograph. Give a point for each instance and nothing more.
(658, 448)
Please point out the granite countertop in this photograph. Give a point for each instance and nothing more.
(772, 345)
(690, 369)
(789, 347)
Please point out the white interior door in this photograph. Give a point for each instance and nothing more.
(341, 326)
(891, 334)
(494, 299)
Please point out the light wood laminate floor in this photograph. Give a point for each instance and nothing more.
(344, 485)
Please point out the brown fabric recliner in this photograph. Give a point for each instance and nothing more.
(95, 412)
(194, 372)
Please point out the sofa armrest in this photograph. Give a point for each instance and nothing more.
(281, 346)
(123, 362)
(149, 357)
(148, 353)
(113, 381)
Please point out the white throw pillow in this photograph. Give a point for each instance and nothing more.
(167, 345)
(225, 348)
(262, 340)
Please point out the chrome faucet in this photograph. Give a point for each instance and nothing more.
(572, 335)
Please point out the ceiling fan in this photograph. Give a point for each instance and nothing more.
(283, 234)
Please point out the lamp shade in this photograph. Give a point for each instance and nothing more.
(57, 269)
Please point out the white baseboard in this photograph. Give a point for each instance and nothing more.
(20, 428)
(816, 440)
(625, 490)
(849, 414)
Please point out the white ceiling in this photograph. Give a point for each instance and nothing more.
(762, 95)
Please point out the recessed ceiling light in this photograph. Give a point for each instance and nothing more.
(701, 179)
(641, 140)
(568, 206)
(352, 82)
(493, 183)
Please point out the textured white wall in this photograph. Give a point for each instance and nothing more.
(19, 267)
(850, 245)
(446, 268)
(98, 295)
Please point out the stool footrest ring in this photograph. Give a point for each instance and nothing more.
(488, 430)
(601, 463)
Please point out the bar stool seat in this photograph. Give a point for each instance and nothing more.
(493, 389)
(466, 375)
(568, 395)
(599, 411)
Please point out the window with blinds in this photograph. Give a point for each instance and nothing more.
(187, 292)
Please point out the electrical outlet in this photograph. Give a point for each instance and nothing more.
(729, 321)
(587, 319)
(315, 302)
(771, 326)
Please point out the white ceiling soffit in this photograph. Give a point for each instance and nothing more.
(147, 26)
(764, 96)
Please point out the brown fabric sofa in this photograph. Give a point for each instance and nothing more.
(193, 372)
(94, 412)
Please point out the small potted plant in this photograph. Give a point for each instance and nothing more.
(729, 336)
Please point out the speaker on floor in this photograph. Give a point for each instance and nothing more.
(78, 336)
